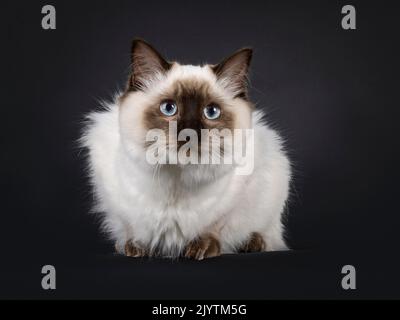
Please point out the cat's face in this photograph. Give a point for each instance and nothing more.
(160, 93)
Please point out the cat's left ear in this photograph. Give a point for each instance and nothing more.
(147, 65)
(232, 72)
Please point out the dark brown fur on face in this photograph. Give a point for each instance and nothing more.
(191, 97)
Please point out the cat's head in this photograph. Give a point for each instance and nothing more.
(160, 92)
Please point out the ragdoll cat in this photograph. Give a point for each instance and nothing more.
(189, 210)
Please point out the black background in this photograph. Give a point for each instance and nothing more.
(332, 93)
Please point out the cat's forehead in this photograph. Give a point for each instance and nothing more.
(190, 73)
(188, 80)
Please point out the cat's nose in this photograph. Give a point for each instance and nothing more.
(193, 125)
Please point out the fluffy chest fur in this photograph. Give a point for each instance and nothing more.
(157, 206)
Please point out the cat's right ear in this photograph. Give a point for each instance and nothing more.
(232, 72)
(147, 65)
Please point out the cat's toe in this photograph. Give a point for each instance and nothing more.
(255, 243)
(204, 247)
(131, 250)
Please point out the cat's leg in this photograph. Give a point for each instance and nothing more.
(275, 242)
(274, 236)
(123, 235)
(268, 241)
(205, 246)
(133, 250)
(255, 243)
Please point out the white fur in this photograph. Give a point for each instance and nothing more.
(166, 208)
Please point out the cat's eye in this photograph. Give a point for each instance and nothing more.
(212, 112)
(168, 108)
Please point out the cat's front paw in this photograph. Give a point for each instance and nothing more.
(206, 246)
(255, 243)
(132, 250)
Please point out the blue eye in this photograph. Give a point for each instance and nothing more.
(168, 108)
(212, 112)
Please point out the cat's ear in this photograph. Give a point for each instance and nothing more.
(232, 72)
(147, 65)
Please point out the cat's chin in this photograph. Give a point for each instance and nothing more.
(192, 174)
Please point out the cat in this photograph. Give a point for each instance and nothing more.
(195, 210)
